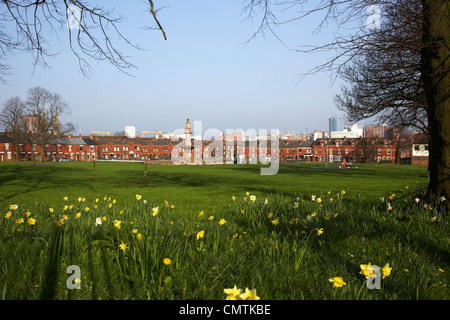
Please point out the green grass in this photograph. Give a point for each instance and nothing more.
(195, 187)
(283, 260)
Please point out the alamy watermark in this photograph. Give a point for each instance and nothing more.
(374, 281)
(74, 281)
(373, 22)
(229, 147)
(73, 17)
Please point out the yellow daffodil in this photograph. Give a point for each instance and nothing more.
(222, 221)
(138, 197)
(367, 270)
(337, 282)
(201, 213)
(65, 198)
(386, 270)
(78, 215)
(139, 236)
(233, 198)
(13, 207)
(117, 223)
(86, 209)
(232, 294)
(319, 200)
(247, 193)
(31, 221)
(19, 221)
(51, 210)
(155, 211)
(249, 295)
(134, 231)
(59, 222)
(211, 217)
(28, 213)
(64, 217)
(167, 261)
(252, 198)
(200, 234)
(8, 214)
(275, 222)
(319, 231)
(123, 246)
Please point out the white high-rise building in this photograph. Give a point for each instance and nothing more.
(130, 131)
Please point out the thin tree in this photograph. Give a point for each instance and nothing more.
(48, 108)
(11, 118)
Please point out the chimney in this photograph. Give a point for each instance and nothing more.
(345, 137)
(69, 136)
(79, 136)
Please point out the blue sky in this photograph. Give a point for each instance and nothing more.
(202, 72)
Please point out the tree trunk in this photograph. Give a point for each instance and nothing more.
(435, 67)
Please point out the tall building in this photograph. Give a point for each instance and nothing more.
(332, 124)
(130, 131)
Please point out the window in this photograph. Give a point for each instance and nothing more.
(337, 143)
(386, 143)
(416, 147)
(379, 151)
(81, 147)
(346, 151)
(70, 147)
(324, 151)
(388, 151)
(7, 147)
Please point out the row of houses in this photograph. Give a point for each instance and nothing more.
(90, 148)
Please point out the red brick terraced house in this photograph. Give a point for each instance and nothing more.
(61, 148)
(295, 150)
(362, 150)
(124, 148)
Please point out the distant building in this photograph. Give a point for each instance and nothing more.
(352, 132)
(130, 132)
(378, 131)
(332, 124)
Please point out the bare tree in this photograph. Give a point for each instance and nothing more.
(48, 108)
(11, 118)
(419, 93)
(93, 31)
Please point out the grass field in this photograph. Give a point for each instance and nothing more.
(194, 231)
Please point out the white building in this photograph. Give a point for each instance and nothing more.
(352, 131)
(130, 131)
